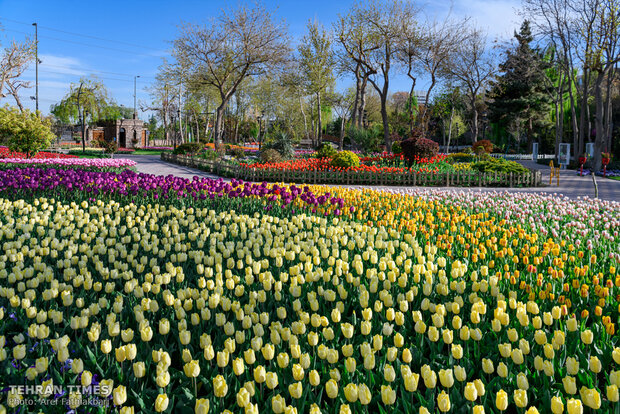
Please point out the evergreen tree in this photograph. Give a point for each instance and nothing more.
(520, 99)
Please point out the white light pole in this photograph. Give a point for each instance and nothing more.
(135, 113)
(36, 61)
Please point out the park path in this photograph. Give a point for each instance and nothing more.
(571, 185)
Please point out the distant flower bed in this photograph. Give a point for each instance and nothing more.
(379, 163)
(6, 153)
(96, 163)
(232, 146)
(156, 148)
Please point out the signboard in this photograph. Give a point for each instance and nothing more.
(535, 151)
(590, 149)
(564, 155)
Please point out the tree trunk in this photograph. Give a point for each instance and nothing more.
(583, 121)
(608, 109)
(559, 115)
(474, 123)
(342, 122)
(599, 121)
(219, 117)
(358, 87)
(319, 123)
(384, 119)
(450, 130)
(411, 97)
(362, 103)
(303, 113)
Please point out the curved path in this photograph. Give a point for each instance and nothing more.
(571, 185)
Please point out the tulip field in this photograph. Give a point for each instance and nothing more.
(197, 296)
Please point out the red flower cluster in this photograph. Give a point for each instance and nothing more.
(369, 164)
(6, 153)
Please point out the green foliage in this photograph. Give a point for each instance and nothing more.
(520, 96)
(209, 155)
(499, 165)
(189, 148)
(460, 157)
(270, 155)
(326, 150)
(281, 142)
(94, 100)
(109, 146)
(368, 139)
(345, 159)
(236, 152)
(24, 131)
(396, 147)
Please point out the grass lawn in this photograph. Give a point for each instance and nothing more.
(614, 178)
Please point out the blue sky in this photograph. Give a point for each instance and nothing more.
(116, 40)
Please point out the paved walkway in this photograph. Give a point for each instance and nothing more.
(571, 185)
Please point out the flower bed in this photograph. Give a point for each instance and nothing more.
(129, 186)
(406, 303)
(305, 171)
(99, 164)
(6, 153)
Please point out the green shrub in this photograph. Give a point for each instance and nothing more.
(345, 159)
(499, 165)
(368, 140)
(236, 152)
(24, 131)
(396, 147)
(326, 150)
(189, 148)
(270, 155)
(281, 142)
(459, 157)
(209, 155)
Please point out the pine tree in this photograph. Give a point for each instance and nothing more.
(520, 99)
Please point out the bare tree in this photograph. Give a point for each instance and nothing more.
(238, 44)
(15, 60)
(164, 97)
(384, 22)
(472, 66)
(439, 40)
(356, 45)
(343, 106)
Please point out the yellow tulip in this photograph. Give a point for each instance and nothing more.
(119, 395)
(557, 406)
(520, 397)
(443, 402)
(295, 390)
(350, 392)
(470, 392)
(388, 395)
(574, 406)
(161, 403)
(501, 400)
(220, 388)
(202, 406)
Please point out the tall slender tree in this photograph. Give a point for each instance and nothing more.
(316, 61)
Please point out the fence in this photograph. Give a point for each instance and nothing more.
(532, 178)
(517, 157)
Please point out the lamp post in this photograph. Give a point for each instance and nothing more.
(135, 114)
(36, 57)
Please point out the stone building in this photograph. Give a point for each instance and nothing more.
(128, 133)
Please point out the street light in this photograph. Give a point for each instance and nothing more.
(36, 54)
(135, 114)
